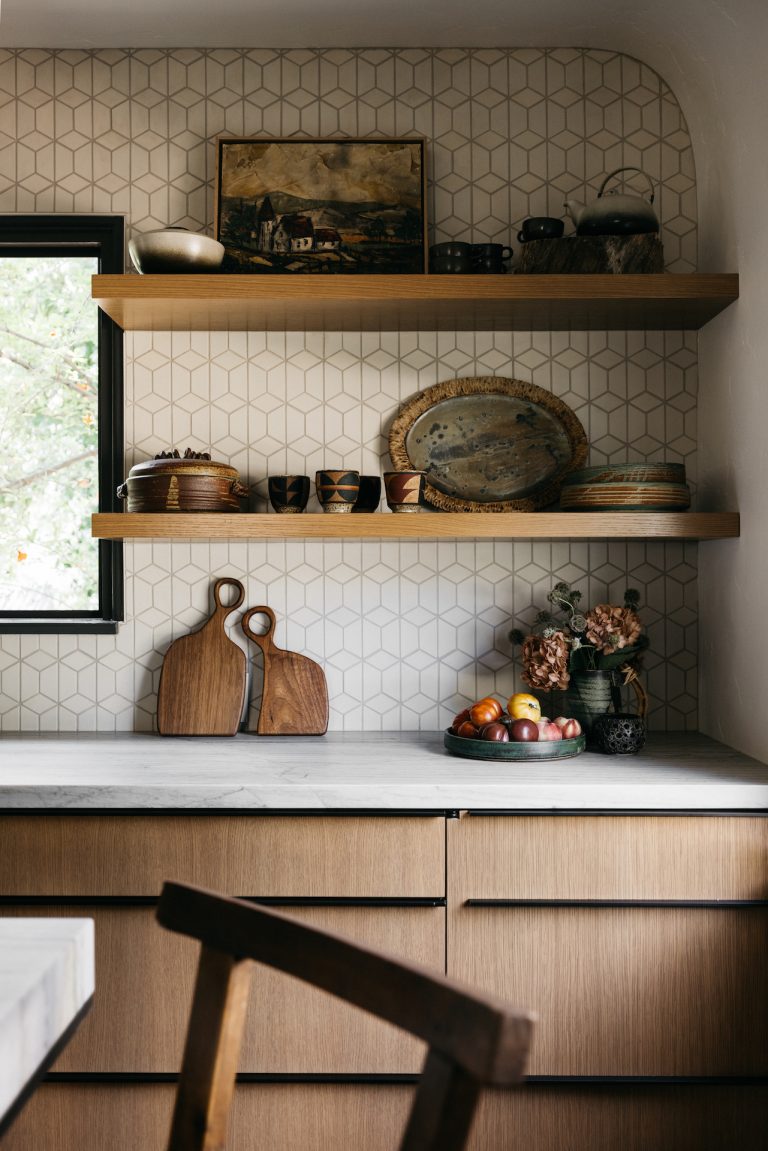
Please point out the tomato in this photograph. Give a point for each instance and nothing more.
(524, 706)
(495, 733)
(484, 712)
(492, 703)
(467, 730)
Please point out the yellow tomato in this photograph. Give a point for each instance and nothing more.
(524, 706)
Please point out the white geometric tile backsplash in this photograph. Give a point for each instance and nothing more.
(407, 632)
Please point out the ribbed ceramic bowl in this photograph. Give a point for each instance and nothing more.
(616, 497)
(513, 752)
(176, 250)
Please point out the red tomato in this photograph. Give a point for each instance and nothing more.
(495, 733)
(467, 730)
(459, 719)
(483, 712)
(494, 703)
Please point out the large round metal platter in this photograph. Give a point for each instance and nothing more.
(514, 752)
(488, 444)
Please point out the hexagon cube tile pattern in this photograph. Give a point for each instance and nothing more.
(407, 632)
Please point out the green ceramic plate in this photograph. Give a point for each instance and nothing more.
(485, 749)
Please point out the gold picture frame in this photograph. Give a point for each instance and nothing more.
(307, 206)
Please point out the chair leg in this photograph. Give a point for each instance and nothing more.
(443, 1109)
(211, 1053)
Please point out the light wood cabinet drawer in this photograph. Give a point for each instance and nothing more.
(626, 990)
(276, 1117)
(308, 856)
(608, 857)
(316, 1117)
(623, 1118)
(144, 980)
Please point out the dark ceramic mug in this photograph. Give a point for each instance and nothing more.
(338, 489)
(404, 490)
(370, 494)
(488, 259)
(452, 258)
(288, 493)
(541, 228)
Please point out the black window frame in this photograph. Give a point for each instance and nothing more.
(104, 237)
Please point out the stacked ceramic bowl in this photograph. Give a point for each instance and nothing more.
(626, 488)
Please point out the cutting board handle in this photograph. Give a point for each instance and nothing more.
(222, 583)
(264, 639)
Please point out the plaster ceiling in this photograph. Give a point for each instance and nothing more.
(309, 23)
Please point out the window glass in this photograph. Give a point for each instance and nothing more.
(49, 413)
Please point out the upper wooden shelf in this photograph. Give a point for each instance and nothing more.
(427, 525)
(412, 303)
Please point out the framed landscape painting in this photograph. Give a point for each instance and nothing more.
(313, 206)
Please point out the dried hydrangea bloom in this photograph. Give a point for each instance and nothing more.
(545, 661)
(612, 628)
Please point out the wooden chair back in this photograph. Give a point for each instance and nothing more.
(472, 1039)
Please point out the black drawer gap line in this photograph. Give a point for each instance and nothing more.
(267, 900)
(395, 1079)
(511, 812)
(721, 904)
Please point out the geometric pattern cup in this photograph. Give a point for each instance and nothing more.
(337, 490)
(404, 490)
(288, 494)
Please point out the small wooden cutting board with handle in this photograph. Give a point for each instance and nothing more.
(295, 697)
(202, 684)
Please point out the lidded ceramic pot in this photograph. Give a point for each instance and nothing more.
(192, 483)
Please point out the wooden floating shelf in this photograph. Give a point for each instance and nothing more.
(412, 303)
(425, 526)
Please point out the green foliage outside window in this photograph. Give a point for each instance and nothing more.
(48, 434)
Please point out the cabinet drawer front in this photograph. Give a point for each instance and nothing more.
(623, 1118)
(144, 980)
(316, 1117)
(278, 1117)
(608, 857)
(240, 855)
(626, 991)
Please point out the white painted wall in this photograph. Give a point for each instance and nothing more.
(715, 57)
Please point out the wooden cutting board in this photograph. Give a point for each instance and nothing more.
(202, 683)
(295, 697)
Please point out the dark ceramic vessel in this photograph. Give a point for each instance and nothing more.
(490, 258)
(619, 734)
(370, 494)
(453, 258)
(541, 228)
(404, 490)
(338, 489)
(288, 494)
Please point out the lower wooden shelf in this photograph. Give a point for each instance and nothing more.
(428, 525)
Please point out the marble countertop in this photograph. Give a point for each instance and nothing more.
(394, 771)
(46, 979)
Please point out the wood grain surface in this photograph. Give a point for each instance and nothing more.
(428, 525)
(294, 699)
(626, 991)
(608, 857)
(316, 1117)
(245, 855)
(202, 682)
(413, 303)
(139, 1016)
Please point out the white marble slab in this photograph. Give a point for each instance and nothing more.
(46, 978)
(399, 770)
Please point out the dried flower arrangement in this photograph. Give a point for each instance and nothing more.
(565, 640)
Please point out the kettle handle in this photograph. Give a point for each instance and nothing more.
(630, 168)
